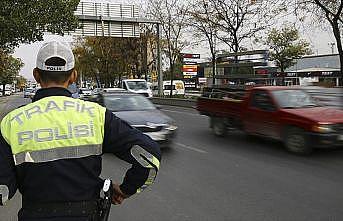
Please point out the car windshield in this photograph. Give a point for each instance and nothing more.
(127, 103)
(137, 85)
(294, 99)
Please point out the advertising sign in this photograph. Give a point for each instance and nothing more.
(190, 68)
(190, 84)
(190, 73)
(192, 56)
(202, 80)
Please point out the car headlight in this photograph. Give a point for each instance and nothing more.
(323, 128)
(171, 127)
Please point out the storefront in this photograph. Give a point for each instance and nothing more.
(328, 77)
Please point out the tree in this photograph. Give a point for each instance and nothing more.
(107, 59)
(9, 70)
(286, 45)
(24, 21)
(332, 12)
(240, 20)
(172, 16)
(21, 82)
(203, 20)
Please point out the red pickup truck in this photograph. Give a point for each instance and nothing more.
(284, 113)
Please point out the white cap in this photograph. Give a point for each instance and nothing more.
(55, 49)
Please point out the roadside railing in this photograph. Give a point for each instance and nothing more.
(180, 102)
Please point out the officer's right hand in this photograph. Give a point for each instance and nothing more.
(118, 195)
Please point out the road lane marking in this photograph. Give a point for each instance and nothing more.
(181, 112)
(190, 148)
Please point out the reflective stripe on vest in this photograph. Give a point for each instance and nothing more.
(54, 128)
(57, 154)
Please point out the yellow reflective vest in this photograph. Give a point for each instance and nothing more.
(53, 128)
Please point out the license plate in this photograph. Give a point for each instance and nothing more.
(340, 137)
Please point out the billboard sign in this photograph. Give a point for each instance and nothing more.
(107, 19)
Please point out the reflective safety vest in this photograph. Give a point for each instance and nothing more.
(54, 128)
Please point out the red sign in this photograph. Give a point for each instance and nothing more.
(193, 56)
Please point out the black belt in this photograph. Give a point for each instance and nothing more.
(60, 209)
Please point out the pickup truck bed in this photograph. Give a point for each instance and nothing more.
(219, 107)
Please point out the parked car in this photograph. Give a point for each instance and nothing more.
(284, 113)
(140, 113)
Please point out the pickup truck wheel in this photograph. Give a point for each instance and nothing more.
(218, 127)
(297, 142)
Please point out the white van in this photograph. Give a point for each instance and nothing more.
(178, 87)
(138, 86)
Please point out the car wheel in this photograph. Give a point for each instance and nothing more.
(296, 141)
(218, 127)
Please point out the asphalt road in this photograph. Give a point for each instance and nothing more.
(203, 177)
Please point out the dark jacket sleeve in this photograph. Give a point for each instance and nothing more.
(134, 147)
(8, 182)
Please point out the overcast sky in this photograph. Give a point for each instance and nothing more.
(318, 39)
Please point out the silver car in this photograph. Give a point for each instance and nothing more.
(140, 113)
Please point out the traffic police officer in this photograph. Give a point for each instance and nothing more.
(51, 148)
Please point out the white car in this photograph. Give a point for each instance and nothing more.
(85, 93)
(112, 90)
(8, 92)
(138, 86)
